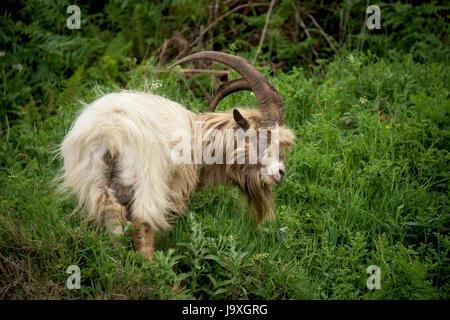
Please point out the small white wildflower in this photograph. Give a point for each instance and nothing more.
(155, 84)
(283, 229)
(18, 66)
(2, 53)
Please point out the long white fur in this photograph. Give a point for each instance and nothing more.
(134, 127)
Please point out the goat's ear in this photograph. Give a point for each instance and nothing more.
(240, 120)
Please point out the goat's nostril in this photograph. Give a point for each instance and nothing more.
(282, 173)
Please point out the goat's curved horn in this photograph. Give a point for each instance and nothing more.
(269, 101)
(226, 89)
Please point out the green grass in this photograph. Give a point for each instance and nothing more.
(358, 192)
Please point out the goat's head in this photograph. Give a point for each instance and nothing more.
(272, 141)
(273, 138)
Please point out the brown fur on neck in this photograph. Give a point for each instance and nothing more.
(245, 176)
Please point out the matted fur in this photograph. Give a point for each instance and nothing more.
(134, 130)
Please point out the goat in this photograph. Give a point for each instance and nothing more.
(118, 155)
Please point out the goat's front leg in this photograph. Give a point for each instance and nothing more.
(144, 239)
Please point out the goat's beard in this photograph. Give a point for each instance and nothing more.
(258, 193)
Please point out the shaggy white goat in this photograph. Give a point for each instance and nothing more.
(118, 155)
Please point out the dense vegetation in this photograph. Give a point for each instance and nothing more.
(367, 182)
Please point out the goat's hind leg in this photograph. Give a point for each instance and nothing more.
(115, 214)
(118, 208)
(117, 201)
(143, 239)
(117, 205)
